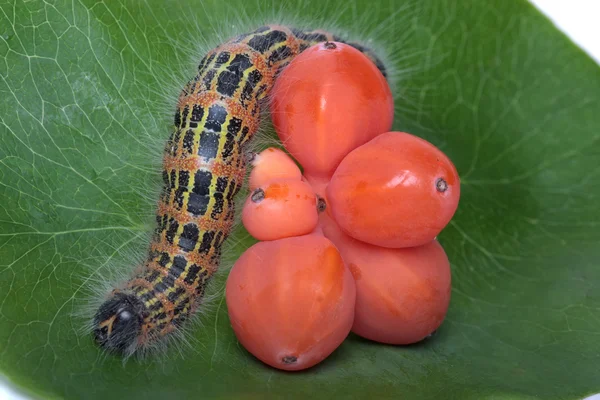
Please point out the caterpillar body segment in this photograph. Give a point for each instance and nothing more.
(204, 167)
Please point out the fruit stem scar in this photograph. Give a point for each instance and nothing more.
(330, 45)
(321, 204)
(258, 195)
(441, 185)
(289, 359)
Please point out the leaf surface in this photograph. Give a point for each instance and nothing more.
(86, 95)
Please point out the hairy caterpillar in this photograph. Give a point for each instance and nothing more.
(203, 169)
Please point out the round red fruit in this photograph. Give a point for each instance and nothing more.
(272, 164)
(279, 209)
(396, 191)
(291, 301)
(402, 295)
(329, 100)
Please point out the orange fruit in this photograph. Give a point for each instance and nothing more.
(272, 164)
(291, 301)
(397, 190)
(282, 208)
(329, 100)
(402, 295)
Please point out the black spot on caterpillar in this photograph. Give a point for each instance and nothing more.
(204, 166)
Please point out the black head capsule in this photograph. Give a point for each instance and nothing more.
(118, 323)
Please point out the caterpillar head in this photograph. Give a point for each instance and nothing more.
(118, 323)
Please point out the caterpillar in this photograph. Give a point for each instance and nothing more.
(204, 164)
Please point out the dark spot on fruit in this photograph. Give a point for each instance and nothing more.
(441, 185)
(321, 204)
(289, 359)
(329, 45)
(258, 195)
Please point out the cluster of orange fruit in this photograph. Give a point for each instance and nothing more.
(349, 243)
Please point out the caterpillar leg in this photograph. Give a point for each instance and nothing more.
(203, 169)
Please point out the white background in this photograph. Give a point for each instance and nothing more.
(579, 19)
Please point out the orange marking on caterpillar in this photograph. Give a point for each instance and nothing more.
(183, 218)
(233, 105)
(194, 163)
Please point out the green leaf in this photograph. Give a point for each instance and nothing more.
(86, 101)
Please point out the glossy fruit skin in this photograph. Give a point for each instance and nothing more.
(327, 102)
(291, 301)
(272, 164)
(284, 208)
(402, 295)
(396, 191)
